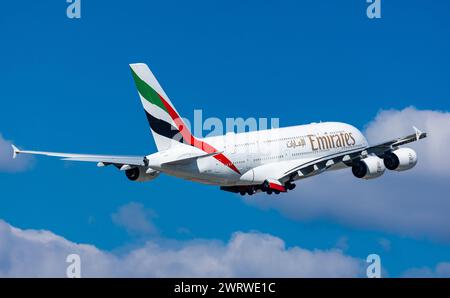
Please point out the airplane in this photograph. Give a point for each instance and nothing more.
(264, 161)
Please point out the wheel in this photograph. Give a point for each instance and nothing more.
(277, 192)
(242, 193)
(269, 192)
(265, 186)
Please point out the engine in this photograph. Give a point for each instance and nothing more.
(368, 168)
(141, 174)
(401, 159)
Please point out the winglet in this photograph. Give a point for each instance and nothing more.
(418, 133)
(15, 151)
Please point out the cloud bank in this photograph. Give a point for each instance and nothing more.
(413, 203)
(136, 219)
(33, 253)
(7, 163)
(441, 270)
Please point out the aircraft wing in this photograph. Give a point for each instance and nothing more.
(319, 165)
(102, 160)
(385, 146)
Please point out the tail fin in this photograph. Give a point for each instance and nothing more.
(166, 125)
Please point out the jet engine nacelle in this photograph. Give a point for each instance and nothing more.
(141, 174)
(401, 159)
(368, 168)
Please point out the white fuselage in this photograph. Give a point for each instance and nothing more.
(261, 154)
(260, 161)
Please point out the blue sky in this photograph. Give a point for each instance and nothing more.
(66, 86)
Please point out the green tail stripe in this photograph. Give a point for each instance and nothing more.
(148, 92)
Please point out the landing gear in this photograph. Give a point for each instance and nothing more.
(247, 191)
(289, 185)
(265, 187)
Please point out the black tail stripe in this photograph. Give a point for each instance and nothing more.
(163, 128)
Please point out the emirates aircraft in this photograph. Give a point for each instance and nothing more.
(267, 161)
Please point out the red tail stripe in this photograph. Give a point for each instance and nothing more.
(192, 140)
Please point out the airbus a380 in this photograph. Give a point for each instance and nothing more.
(267, 161)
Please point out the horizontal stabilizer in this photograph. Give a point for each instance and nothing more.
(188, 160)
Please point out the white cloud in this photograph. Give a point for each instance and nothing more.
(385, 244)
(136, 219)
(42, 253)
(342, 243)
(7, 163)
(413, 203)
(441, 270)
(433, 150)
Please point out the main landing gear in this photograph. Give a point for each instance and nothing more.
(289, 185)
(250, 191)
(270, 188)
(266, 187)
